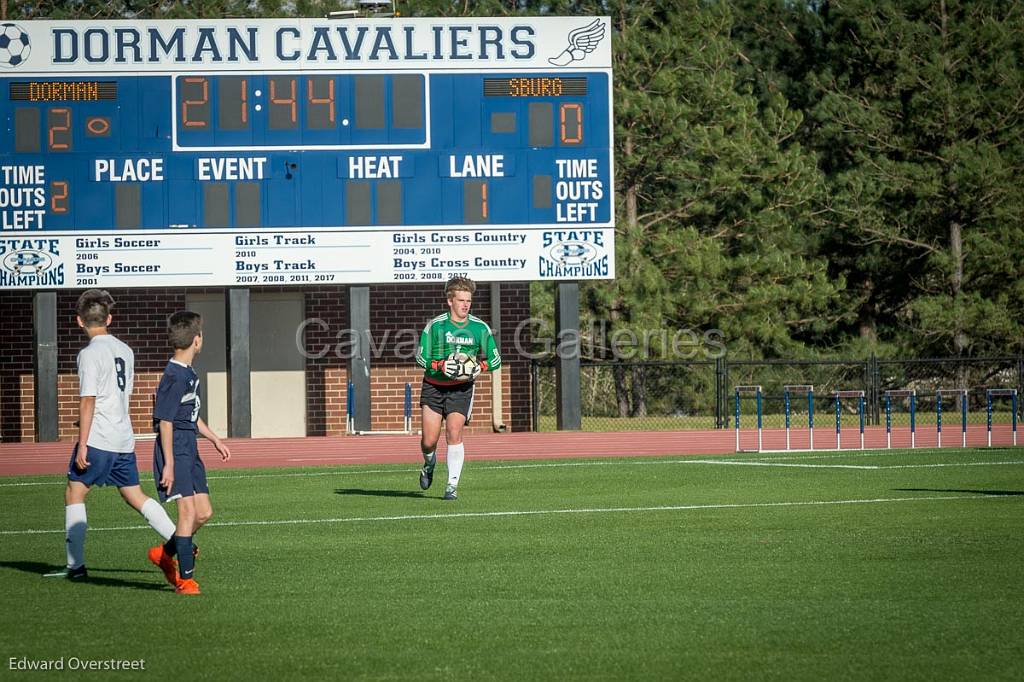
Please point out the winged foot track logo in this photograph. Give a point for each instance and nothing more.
(582, 41)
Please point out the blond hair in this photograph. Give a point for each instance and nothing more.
(459, 284)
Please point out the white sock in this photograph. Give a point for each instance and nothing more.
(75, 525)
(456, 456)
(156, 516)
(427, 457)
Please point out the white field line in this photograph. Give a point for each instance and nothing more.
(740, 463)
(546, 465)
(852, 466)
(949, 464)
(26, 484)
(540, 512)
(300, 474)
(328, 458)
(348, 472)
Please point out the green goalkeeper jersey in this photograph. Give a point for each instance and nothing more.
(442, 337)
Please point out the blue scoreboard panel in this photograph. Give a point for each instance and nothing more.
(271, 152)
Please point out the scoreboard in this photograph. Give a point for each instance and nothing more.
(270, 152)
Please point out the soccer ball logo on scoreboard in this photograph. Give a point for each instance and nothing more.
(14, 45)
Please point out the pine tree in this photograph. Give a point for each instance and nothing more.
(921, 123)
(718, 208)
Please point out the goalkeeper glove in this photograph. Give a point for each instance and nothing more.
(451, 368)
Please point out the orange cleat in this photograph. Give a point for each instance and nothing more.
(165, 563)
(188, 586)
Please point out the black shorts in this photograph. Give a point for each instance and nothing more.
(448, 399)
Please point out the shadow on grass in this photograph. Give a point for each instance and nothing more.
(41, 569)
(993, 493)
(378, 493)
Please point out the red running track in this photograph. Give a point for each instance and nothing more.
(20, 459)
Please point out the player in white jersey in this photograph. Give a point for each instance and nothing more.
(105, 451)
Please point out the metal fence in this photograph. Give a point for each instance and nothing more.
(668, 395)
(643, 396)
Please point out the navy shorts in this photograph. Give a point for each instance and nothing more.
(189, 470)
(105, 468)
(448, 399)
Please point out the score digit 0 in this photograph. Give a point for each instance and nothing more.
(570, 116)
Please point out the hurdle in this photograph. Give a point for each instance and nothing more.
(963, 414)
(839, 395)
(1012, 393)
(756, 390)
(800, 389)
(889, 395)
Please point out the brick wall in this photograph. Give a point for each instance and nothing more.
(140, 318)
(397, 314)
(326, 373)
(16, 361)
(515, 309)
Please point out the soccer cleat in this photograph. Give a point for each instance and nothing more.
(77, 573)
(427, 473)
(165, 563)
(188, 586)
(450, 493)
(69, 573)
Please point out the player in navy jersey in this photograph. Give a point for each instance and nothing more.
(182, 476)
(105, 451)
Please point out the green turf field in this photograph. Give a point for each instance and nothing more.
(887, 565)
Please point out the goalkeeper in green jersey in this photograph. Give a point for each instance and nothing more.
(454, 348)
